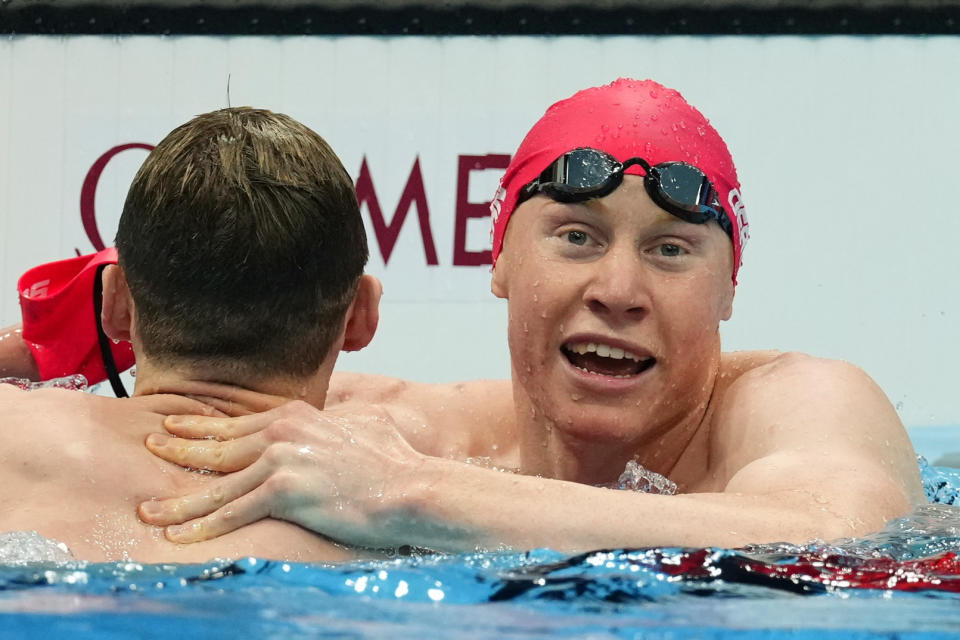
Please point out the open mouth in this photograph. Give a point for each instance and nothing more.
(604, 360)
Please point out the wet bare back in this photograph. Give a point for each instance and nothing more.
(73, 467)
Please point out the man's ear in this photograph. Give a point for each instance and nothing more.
(363, 316)
(726, 308)
(117, 313)
(498, 281)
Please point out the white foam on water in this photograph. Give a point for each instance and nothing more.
(73, 383)
(26, 547)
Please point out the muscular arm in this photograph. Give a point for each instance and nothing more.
(16, 361)
(802, 448)
(457, 421)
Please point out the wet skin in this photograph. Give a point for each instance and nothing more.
(73, 468)
(764, 446)
(622, 272)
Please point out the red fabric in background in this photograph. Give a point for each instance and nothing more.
(59, 325)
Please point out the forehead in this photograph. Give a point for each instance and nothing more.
(629, 204)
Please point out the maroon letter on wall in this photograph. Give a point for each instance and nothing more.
(467, 209)
(412, 193)
(88, 192)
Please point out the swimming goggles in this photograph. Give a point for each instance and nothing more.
(676, 187)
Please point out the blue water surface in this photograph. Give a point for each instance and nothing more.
(903, 582)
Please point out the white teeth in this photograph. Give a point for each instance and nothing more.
(588, 371)
(603, 350)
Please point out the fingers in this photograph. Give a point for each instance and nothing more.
(169, 404)
(251, 400)
(216, 428)
(228, 408)
(207, 454)
(208, 500)
(243, 511)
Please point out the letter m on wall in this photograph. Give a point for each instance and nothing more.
(387, 233)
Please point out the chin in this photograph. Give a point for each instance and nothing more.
(608, 420)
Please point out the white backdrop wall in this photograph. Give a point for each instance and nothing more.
(846, 149)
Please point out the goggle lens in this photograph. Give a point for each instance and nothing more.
(684, 185)
(587, 169)
(679, 188)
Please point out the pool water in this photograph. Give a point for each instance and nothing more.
(902, 582)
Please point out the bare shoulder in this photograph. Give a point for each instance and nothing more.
(454, 420)
(779, 381)
(815, 397)
(52, 409)
(800, 405)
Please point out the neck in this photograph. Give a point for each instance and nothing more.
(658, 435)
(153, 379)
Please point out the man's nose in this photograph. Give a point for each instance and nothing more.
(618, 288)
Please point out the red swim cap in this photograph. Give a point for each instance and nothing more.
(627, 118)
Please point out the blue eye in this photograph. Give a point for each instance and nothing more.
(577, 237)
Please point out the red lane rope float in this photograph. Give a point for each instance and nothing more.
(817, 571)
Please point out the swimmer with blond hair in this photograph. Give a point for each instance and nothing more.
(619, 231)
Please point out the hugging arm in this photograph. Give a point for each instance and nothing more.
(815, 451)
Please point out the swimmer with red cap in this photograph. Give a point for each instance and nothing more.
(618, 236)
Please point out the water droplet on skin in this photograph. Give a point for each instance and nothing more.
(654, 117)
(536, 283)
(653, 94)
(576, 397)
(535, 298)
(701, 131)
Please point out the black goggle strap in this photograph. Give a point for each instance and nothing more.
(697, 208)
(103, 341)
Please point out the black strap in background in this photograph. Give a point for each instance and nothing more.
(479, 17)
(105, 351)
